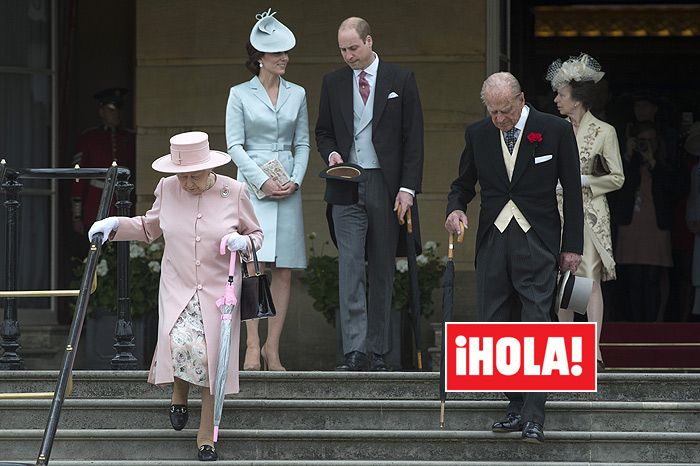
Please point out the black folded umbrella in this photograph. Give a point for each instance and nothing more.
(414, 298)
(448, 287)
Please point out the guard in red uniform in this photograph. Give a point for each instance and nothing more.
(98, 147)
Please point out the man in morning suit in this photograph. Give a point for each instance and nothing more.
(370, 114)
(517, 155)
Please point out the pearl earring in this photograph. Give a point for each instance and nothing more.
(260, 64)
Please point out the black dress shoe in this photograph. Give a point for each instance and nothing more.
(178, 416)
(377, 363)
(533, 432)
(207, 453)
(354, 361)
(512, 423)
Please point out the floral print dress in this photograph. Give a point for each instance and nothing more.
(188, 345)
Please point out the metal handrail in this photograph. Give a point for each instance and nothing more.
(47, 293)
(65, 373)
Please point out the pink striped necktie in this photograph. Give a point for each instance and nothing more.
(364, 87)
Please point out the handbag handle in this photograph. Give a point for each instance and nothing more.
(255, 261)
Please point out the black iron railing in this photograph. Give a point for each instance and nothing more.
(116, 179)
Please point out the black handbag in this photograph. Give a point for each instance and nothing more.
(599, 166)
(256, 298)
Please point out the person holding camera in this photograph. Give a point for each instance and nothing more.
(643, 213)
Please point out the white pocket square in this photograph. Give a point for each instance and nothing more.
(543, 158)
(393, 95)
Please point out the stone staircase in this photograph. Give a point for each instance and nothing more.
(327, 418)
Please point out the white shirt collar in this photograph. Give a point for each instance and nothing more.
(371, 69)
(523, 118)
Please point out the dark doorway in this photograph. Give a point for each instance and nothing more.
(644, 47)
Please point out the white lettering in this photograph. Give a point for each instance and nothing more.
(461, 355)
(555, 357)
(529, 357)
(508, 356)
(479, 355)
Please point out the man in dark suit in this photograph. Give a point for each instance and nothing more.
(517, 155)
(370, 114)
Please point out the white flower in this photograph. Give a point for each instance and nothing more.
(102, 268)
(401, 265)
(154, 266)
(136, 251)
(155, 247)
(421, 260)
(430, 246)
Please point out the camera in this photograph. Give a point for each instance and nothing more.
(643, 145)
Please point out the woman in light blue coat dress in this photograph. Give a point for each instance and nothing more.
(266, 119)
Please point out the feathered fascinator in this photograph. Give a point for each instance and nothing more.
(581, 68)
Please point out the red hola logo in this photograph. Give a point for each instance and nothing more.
(520, 357)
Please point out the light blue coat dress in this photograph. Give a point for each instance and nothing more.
(256, 132)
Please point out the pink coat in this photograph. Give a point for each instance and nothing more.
(192, 227)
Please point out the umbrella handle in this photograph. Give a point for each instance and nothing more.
(450, 247)
(232, 264)
(409, 221)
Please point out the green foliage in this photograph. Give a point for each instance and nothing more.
(321, 280)
(431, 267)
(144, 277)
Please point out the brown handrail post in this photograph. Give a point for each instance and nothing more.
(123, 334)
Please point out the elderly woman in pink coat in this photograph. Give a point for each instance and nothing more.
(193, 211)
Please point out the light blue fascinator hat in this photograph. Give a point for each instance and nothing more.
(269, 35)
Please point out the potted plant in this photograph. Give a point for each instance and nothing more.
(144, 278)
(321, 281)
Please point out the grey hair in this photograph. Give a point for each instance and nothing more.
(501, 84)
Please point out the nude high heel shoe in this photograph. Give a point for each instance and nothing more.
(267, 367)
(252, 359)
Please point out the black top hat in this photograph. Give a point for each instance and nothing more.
(341, 183)
(113, 96)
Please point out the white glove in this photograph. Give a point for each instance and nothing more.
(236, 242)
(104, 226)
(584, 181)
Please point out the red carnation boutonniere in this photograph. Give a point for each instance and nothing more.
(534, 137)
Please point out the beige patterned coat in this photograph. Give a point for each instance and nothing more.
(597, 137)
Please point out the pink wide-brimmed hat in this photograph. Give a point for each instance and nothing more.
(189, 152)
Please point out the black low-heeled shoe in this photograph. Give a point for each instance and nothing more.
(178, 416)
(207, 453)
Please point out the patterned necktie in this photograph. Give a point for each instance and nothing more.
(510, 137)
(364, 87)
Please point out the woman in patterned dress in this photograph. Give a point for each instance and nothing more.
(601, 172)
(194, 210)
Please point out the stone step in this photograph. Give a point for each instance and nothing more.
(362, 446)
(328, 463)
(356, 414)
(352, 385)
